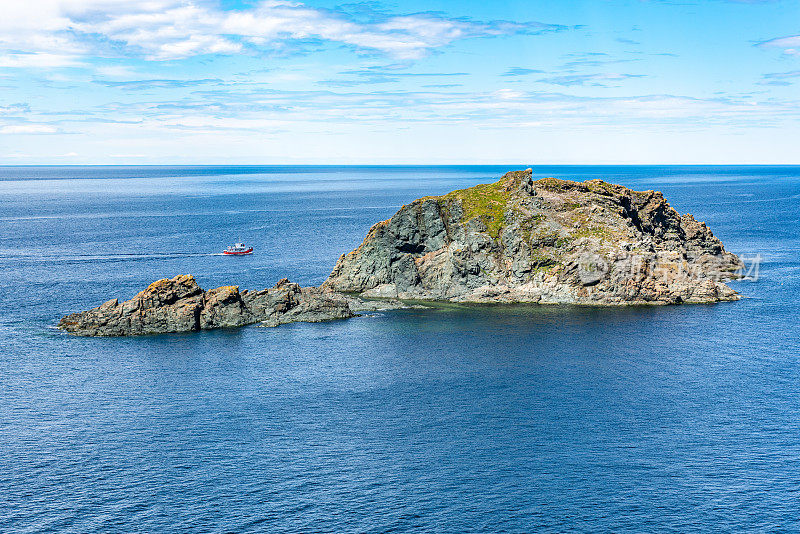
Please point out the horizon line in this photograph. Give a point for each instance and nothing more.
(9, 165)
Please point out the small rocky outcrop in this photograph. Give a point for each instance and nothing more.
(544, 241)
(180, 305)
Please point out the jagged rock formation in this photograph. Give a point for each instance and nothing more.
(180, 305)
(545, 241)
(516, 240)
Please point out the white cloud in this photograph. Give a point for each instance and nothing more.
(116, 71)
(261, 109)
(37, 60)
(28, 129)
(790, 44)
(174, 29)
(14, 109)
(597, 80)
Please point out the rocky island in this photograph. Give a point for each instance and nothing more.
(517, 240)
(546, 241)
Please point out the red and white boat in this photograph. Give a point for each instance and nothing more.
(239, 249)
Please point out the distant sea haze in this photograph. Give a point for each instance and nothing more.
(454, 419)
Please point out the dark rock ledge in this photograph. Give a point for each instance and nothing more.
(179, 304)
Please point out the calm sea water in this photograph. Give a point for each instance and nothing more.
(506, 419)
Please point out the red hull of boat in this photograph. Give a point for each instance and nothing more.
(242, 253)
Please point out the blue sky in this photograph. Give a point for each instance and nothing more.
(469, 82)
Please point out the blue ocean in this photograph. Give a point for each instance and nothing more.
(448, 419)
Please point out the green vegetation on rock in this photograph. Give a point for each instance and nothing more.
(555, 184)
(486, 202)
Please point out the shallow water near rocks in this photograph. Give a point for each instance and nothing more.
(443, 419)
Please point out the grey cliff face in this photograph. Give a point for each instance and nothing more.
(180, 305)
(545, 241)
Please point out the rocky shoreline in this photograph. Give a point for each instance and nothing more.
(517, 240)
(179, 304)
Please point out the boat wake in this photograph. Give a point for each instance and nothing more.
(81, 258)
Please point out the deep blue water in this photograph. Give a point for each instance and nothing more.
(500, 419)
